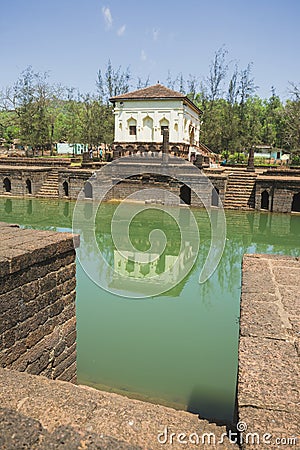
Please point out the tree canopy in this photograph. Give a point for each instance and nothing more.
(235, 118)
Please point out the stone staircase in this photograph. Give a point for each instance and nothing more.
(240, 190)
(50, 185)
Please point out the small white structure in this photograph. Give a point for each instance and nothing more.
(63, 148)
(141, 116)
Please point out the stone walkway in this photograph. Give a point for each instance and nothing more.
(268, 383)
(38, 413)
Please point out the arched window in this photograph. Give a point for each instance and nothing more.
(88, 190)
(7, 184)
(296, 202)
(66, 188)
(132, 126)
(28, 186)
(215, 197)
(164, 124)
(264, 203)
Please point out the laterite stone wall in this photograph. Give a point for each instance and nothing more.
(37, 302)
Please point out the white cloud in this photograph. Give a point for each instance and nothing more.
(155, 34)
(107, 16)
(143, 55)
(121, 30)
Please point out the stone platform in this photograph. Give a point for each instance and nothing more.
(38, 413)
(268, 382)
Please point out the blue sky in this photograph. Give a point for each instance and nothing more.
(72, 39)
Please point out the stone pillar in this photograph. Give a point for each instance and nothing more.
(199, 161)
(165, 134)
(250, 166)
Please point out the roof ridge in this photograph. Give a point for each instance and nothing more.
(154, 91)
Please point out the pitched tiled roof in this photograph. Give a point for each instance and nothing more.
(156, 91)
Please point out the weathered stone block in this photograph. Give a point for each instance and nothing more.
(64, 355)
(71, 338)
(66, 362)
(39, 365)
(48, 282)
(10, 300)
(30, 291)
(66, 273)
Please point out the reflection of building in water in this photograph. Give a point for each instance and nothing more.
(128, 264)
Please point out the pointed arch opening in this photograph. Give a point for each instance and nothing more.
(7, 185)
(147, 129)
(28, 186)
(66, 188)
(164, 125)
(185, 194)
(88, 190)
(215, 197)
(296, 203)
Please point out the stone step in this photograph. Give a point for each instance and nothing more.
(245, 202)
(233, 181)
(241, 200)
(238, 200)
(235, 184)
(249, 204)
(50, 186)
(242, 179)
(238, 188)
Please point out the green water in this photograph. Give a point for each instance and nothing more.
(178, 348)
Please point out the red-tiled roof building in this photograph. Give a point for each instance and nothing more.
(142, 115)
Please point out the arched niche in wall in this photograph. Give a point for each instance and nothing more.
(264, 200)
(215, 197)
(147, 133)
(191, 134)
(296, 202)
(66, 188)
(7, 185)
(28, 186)
(88, 190)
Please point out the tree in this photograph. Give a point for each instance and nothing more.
(8, 128)
(30, 98)
(292, 121)
(115, 82)
(217, 73)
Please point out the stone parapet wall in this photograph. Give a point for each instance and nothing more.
(37, 302)
(18, 177)
(75, 178)
(49, 162)
(150, 148)
(280, 190)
